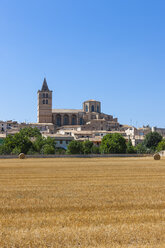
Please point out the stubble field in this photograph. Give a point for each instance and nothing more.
(87, 203)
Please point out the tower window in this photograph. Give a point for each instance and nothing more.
(86, 108)
(43, 101)
(46, 95)
(98, 109)
(43, 95)
(46, 101)
(92, 108)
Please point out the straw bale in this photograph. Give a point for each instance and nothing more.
(157, 156)
(21, 156)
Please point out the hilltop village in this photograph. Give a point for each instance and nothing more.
(65, 125)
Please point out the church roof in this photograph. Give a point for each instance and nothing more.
(91, 100)
(66, 110)
(45, 86)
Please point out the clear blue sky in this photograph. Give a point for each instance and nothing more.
(108, 50)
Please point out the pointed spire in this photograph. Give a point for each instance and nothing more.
(45, 86)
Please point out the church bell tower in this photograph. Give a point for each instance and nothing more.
(44, 114)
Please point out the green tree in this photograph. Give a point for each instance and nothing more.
(113, 143)
(141, 149)
(17, 142)
(30, 132)
(152, 139)
(75, 147)
(22, 142)
(16, 151)
(87, 147)
(48, 149)
(60, 151)
(1, 141)
(32, 151)
(40, 142)
(50, 141)
(2, 150)
(8, 145)
(130, 148)
(95, 150)
(161, 146)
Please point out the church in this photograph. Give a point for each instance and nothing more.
(89, 117)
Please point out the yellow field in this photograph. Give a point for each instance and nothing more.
(89, 203)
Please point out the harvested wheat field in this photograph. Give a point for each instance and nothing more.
(89, 203)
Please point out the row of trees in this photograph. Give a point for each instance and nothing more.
(116, 143)
(111, 143)
(30, 141)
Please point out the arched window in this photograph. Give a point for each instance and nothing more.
(98, 109)
(86, 108)
(43, 95)
(66, 120)
(81, 121)
(58, 120)
(46, 95)
(92, 108)
(43, 101)
(46, 101)
(74, 120)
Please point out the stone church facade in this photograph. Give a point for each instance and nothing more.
(89, 117)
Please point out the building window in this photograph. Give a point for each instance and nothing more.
(46, 101)
(86, 108)
(81, 121)
(46, 95)
(92, 108)
(43, 95)
(67, 142)
(43, 101)
(66, 120)
(61, 142)
(74, 120)
(58, 120)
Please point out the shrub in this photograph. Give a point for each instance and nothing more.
(60, 151)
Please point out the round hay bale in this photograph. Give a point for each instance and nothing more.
(21, 156)
(157, 156)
